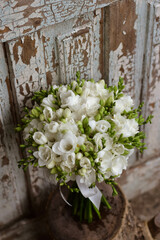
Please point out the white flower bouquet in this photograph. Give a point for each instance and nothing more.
(82, 132)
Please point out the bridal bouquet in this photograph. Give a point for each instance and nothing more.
(82, 132)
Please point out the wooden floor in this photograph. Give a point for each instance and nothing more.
(147, 205)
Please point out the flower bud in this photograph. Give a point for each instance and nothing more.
(78, 90)
(102, 102)
(79, 155)
(101, 110)
(35, 113)
(54, 170)
(85, 122)
(41, 117)
(97, 117)
(83, 148)
(50, 164)
(77, 149)
(102, 82)
(66, 113)
(73, 85)
(82, 171)
(109, 101)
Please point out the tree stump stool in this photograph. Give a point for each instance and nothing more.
(119, 223)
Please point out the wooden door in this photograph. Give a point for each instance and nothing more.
(45, 42)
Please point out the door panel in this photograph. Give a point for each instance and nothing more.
(13, 189)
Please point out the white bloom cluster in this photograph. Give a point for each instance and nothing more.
(81, 129)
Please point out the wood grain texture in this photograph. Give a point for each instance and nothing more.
(33, 229)
(22, 17)
(151, 83)
(138, 180)
(13, 192)
(28, 74)
(125, 32)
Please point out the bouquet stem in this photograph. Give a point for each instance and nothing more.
(83, 208)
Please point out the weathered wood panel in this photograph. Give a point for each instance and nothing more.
(13, 191)
(141, 178)
(125, 29)
(27, 67)
(81, 50)
(35, 62)
(23, 17)
(151, 90)
(33, 229)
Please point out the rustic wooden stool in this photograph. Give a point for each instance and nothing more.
(119, 223)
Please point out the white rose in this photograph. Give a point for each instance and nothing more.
(102, 126)
(85, 163)
(66, 145)
(69, 99)
(48, 114)
(44, 155)
(39, 138)
(48, 101)
(51, 127)
(98, 141)
(118, 164)
(127, 127)
(124, 103)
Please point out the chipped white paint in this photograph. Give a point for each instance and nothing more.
(13, 192)
(45, 14)
(79, 50)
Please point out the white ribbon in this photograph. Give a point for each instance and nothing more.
(94, 194)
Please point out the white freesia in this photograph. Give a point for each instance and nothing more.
(118, 149)
(127, 127)
(51, 127)
(89, 177)
(92, 105)
(92, 124)
(69, 99)
(85, 163)
(105, 160)
(66, 145)
(102, 126)
(44, 155)
(48, 101)
(48, 114)
(69, 160)
(124, 103)
(98, 138)
(59, 113)
(68, 126)
(118, 164)
(39, 138)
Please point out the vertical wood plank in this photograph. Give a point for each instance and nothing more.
(125, 31)
(13, 190)
(26, 61)
(151, 90)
